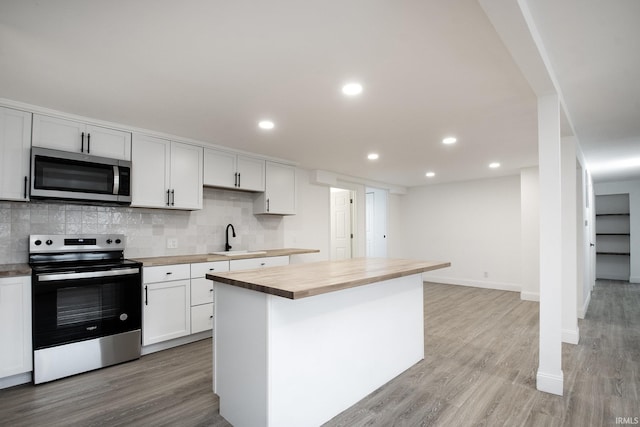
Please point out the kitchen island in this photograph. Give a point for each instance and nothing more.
(296, 345)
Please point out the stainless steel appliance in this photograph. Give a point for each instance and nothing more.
(65, 175)
(86, 302)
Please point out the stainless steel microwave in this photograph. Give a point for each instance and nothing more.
(65, 175)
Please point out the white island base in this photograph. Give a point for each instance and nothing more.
(300, 362)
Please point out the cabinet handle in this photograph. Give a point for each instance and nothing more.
(262, 264)
(168, 197)
(146, 295)
(212, 269)
(235, 179)
(267, 205)
(173, 197)
(25, 187)
(239, 180)
(88, 143)
(168, 272)
(82, 143)
(210, 290)
(211, 317)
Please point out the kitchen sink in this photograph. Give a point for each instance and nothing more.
(240, 252)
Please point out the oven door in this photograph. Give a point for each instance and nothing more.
(76, 306)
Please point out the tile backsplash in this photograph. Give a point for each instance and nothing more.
(147, 230)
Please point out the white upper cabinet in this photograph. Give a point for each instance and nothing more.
(15, 145)
(279, 197)
(229, 170)
(165, 174)
(79, 137)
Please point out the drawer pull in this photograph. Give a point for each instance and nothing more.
(168, 272)
(212, 269)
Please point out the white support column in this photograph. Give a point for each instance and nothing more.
(570, 332)
(550, 377)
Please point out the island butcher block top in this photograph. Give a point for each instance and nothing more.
(308, 279)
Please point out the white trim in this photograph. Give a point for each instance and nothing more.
(530, 296)
(148, 349)
(550, 383)
(500, 286)
(571, 336)
(582, 311)
(14, 380)
(634, 279)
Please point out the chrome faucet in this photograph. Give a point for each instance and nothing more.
(227, 246)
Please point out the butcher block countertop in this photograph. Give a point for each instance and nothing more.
(192, 259)
(308, 279)
(12, 270)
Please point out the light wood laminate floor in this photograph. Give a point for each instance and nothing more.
(479, 369)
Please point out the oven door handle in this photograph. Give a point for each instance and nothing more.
(50, 277)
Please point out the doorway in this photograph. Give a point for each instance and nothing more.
(342, 216)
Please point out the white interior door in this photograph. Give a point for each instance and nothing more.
(341, 235)
(376, 222)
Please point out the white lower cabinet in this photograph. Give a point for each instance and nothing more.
(166, 300)
(15, 326)
(250, 263)
(202, 304)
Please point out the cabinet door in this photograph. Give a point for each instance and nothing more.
(166, 311)
(250, 173)
(220, 168)
(15, 146)
(15, 326)
(201, 318)
(59, 134)
(279, 197)
(150, 171)
(107, 142)
(186, 176)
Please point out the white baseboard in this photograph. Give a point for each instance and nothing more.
(14, 380)
(582, 311)
(530, 296)
(148, 349)
(634, 279)
(550, 383)
(501, 286)
(571, 336)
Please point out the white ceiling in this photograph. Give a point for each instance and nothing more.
(209, 70)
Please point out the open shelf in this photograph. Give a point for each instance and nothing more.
(614, 253)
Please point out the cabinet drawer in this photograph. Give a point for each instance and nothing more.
(246, 264)
(164, 273)
(201, 318)
(201, 291)
(202, 268)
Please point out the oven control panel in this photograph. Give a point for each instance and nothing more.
(43, 243)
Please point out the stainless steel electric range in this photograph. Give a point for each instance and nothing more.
(87, 309)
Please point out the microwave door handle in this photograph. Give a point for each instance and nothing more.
(116, 180)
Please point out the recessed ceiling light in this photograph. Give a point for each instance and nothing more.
(352, 89)
(373, 156)
(449, 140)
(494, 165)
(430, 174)
(266, 124)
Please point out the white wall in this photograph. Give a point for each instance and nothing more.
(475, 225)
(633, 189)
(310, 227)
(530, 233)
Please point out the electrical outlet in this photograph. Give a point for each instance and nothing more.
(172, 243)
